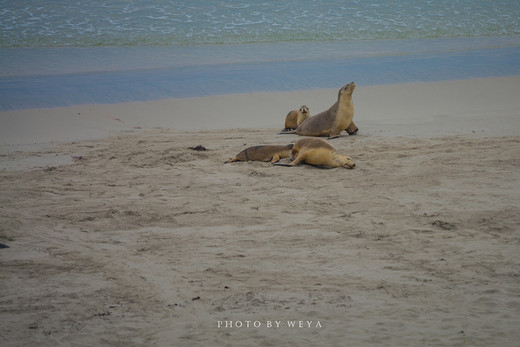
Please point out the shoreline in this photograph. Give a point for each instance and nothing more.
(60, 77)
(421, 109)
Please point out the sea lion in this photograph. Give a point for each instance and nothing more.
(272, 153)
(295, 117)
(318, 152)
(332, 121)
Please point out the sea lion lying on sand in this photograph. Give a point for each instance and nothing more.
(295, 117)
(318, 152)
(272, 153)
(332, 121)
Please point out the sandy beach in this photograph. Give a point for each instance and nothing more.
(119, 234)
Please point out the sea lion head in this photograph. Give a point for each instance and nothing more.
(304, 109)
(347, 89)
(346, 162)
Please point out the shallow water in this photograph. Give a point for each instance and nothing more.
(64, 53)
(69, 76)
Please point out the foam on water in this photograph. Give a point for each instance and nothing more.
(34, 23)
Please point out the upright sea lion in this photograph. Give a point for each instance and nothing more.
(272, 153)
(295, 117)
(318, 152)
(332, 121)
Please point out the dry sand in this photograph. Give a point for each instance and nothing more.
(135, 239)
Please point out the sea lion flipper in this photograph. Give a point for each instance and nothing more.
(352, 129)
(291, 164)
(276, 158)
(297, 160)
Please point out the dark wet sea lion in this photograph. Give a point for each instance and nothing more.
(272, 153)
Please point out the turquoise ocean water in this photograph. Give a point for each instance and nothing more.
(58, 53)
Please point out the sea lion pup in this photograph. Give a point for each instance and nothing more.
(332, 121)
(272, 153)
(295, 117)
(318, 152)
